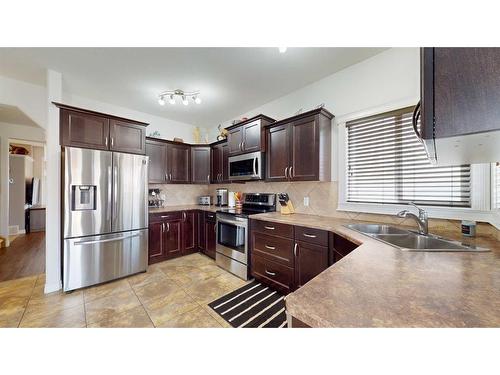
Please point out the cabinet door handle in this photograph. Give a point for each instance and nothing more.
(165, 216)
(290, 172)
(184, 216)
(286, 169)
(270, 247)
(270, 273)
(166, 177)
(112, 141)
(215, 228)
(243, 146)
(106, 141)
(168, 227)
(414, 119)
(208, 178)
(295, 247)
(163, 227)
(170, 176)
(309, 235)
(269, 228)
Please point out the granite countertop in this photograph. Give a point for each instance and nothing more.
(378, 285)
(185, 207)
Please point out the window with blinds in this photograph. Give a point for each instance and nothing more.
(386, 163)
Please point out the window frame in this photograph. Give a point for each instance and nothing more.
(481, 191)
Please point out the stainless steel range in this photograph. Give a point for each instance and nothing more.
(232, 232)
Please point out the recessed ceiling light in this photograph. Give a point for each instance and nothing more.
(282, 49)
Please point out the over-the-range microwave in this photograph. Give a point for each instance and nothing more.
(246, 167)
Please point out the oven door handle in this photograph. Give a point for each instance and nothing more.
(255, 167)
(235, 223)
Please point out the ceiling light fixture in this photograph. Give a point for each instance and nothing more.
(184, 95)
(282, 49)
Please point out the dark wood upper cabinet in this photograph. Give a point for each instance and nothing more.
(178, 163)
(299, 148)
(248, 136)
(235, 140)
(127, 137)
(466, 90)
(200, 165)
(80, 129)
(219, 163)
(278, 153)
(459, 96)
(305, 152)
(89, 129)
(157, 170)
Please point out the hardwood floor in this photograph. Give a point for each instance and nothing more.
(24, 257)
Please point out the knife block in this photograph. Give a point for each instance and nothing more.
(288, 209)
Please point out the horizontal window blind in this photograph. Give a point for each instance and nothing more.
(386, 163)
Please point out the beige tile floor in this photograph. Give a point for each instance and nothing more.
(173, 293)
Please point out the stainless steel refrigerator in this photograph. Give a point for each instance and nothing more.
(105, 216)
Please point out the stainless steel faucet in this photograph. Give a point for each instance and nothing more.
(422, 219)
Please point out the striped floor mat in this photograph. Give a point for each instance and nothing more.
(252, 306)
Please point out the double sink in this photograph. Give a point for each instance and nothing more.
(412, 241)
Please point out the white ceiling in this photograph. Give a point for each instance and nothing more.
(12, 115)
(231, 80)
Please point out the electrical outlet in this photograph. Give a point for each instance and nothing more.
(306, 201)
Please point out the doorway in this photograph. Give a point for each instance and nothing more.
(25, 255)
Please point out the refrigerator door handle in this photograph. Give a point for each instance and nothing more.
(81, 243)
(115, 189)
(110, 194)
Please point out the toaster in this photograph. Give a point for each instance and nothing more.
(204, 200)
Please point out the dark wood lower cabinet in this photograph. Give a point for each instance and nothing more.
(189, 232)
(173, 234)
(172, 238)
(156, 248)
(286, 257)
(310, 261)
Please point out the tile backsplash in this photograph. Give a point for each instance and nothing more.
(323, 199)
(181, 194)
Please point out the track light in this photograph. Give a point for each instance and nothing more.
(184, 96)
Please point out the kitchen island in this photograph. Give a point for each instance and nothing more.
(377, 285)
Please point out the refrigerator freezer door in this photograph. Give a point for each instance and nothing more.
(130, 192)
(87, 192)
(96, 259)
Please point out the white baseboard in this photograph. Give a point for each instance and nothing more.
(13, 229)
(54, 287)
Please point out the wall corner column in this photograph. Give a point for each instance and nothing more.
(53, 207)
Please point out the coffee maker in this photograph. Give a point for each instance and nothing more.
(221, 197)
